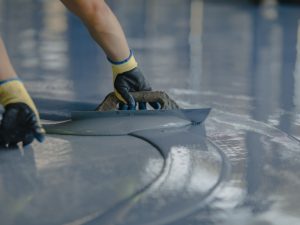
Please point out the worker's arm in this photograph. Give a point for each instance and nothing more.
(20, 121)
(106, 30)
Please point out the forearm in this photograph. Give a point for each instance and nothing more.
(12, 89)
(106, 30)
(6, 69)
(102, 25)
(20, 122)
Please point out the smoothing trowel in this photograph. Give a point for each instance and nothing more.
(106, 120)
(111, 102)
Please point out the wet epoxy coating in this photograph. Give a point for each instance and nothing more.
(68, 178)
(241, 60)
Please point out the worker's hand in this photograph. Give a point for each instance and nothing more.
(20, 121)
(128, 78)
(132, 81)
(20, 125)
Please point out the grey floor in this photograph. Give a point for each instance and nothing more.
(238, 59)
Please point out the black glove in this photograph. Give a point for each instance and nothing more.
(20, 124)
(132, 81)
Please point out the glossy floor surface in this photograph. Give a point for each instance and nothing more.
(240, 60)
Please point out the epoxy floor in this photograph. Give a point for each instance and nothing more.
(241, 60)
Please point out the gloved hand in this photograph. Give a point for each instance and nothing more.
(20, 121)
(128, 78)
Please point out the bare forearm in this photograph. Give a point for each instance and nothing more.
(102, 25)
(6, 69)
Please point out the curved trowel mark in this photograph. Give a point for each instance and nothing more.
(199, 167)
(192, 171)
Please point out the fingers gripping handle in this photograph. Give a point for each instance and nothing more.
(111, 102)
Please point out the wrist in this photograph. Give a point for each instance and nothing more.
(13, 91)
(123, 66)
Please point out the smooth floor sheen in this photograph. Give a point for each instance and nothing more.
(240, 60)
(68, 178)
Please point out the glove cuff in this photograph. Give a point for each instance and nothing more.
(123, 66)
(14, 91)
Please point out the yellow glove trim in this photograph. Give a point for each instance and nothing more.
(118, 69)
(124, 67)
(119, 96)
(14, 91)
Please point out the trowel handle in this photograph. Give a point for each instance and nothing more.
(111, 102)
